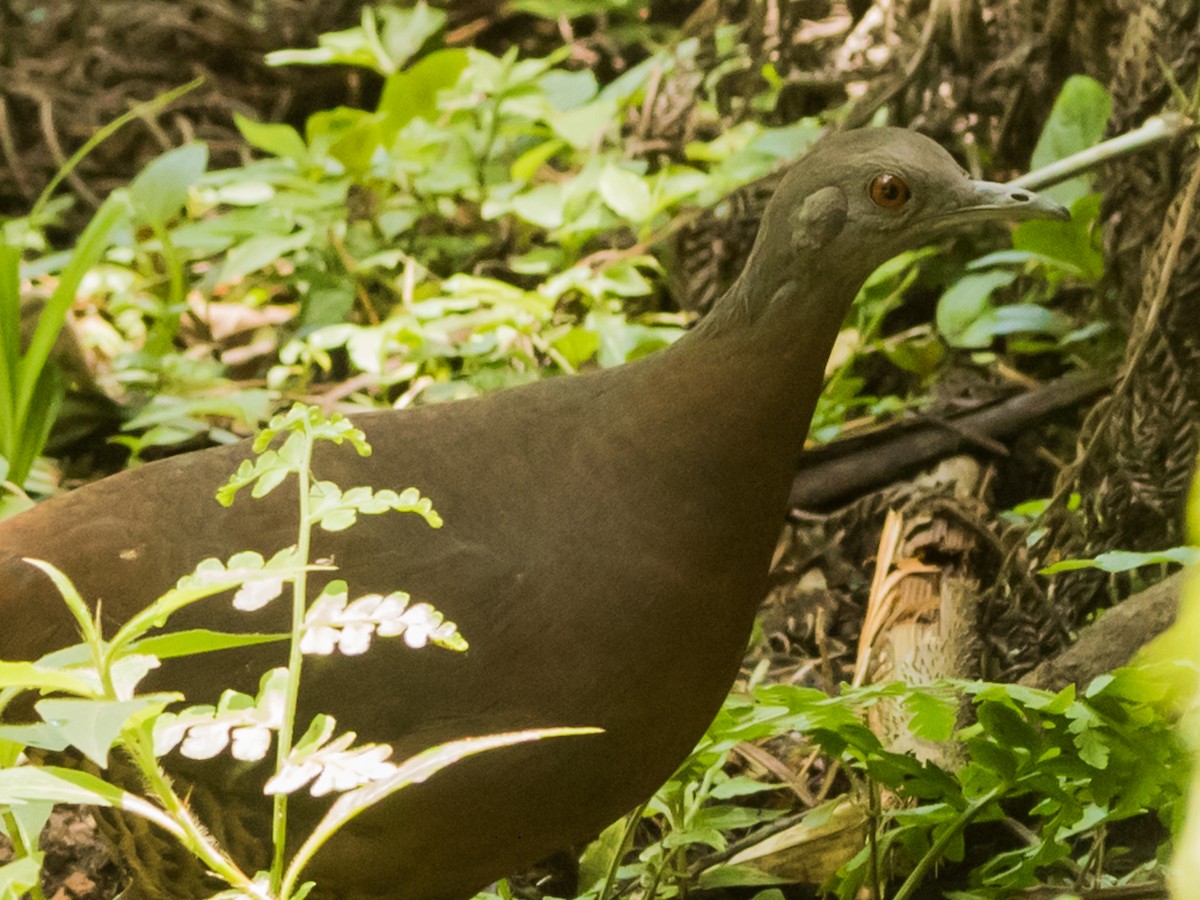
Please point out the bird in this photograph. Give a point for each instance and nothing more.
(606, 543)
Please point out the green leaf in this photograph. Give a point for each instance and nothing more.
(93, 726)
(1090, 740)
(739, 875)
(350, 136)
(1127, 560)
(199, 640)
(574, 9)
(626, 193)
(543, 205)
(276, 139)
(965, 301)
(383, 48)
(266, 473)
(260, 251)
(933, 716)
(20, 876)
(414, 94)
(32, 676)
(160, 190)
(1077, 122)
(569, 90)
(528, 163)
(17, 394)
(31, 818)
(622, 340)
(38, 734)
(39, 784)
(581, 127)
(406, 31)
(597, 859)
(1072, 248)
(686, 837)
(740, 786)
(1016, 318)
(577, 346)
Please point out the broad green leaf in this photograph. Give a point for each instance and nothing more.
(260, 251)
(93, 726)
(575, 9)
(739, 875)
(626, 193)
(31, 818)
(17, 878)
(32, 676)
(789, 141)
(686, 837)
(160, 190)
(597, 859)
(577, 346)
(413, 94)
(276, 139)
(568, 90)
(1077, 121)
(622, 340)
(543, 205)
(383, 47)
(582, 126)
(528, 163)
(406, 30)
(741, 786)
(1127, 560)
(965, 301)
(41, 784)
(724, 145)
(1072, 248)
(38, 734)
(1016, 318)
(345, 134)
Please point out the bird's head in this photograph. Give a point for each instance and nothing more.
(861, 197)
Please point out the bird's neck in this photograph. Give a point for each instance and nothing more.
(784, 286)
(766, 341)
(733, 397)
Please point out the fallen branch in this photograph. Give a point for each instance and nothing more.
(848, 468)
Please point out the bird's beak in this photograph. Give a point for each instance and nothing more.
(987, 201)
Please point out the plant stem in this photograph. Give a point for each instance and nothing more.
(150, 106)
(917, 875)
(186, 828)
(1155, 130)
(163, 332)
(295, 661)
(20, 849)
(873, 838)
(631, 824)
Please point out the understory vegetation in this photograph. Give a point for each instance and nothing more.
(492, 219)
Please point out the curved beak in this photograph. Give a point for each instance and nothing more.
(987, 201)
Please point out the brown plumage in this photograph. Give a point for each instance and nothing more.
(606, 544)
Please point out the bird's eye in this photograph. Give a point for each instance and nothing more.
(889, 191)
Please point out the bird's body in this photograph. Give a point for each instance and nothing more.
(606, 544)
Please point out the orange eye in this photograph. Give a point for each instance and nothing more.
(889, 191)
